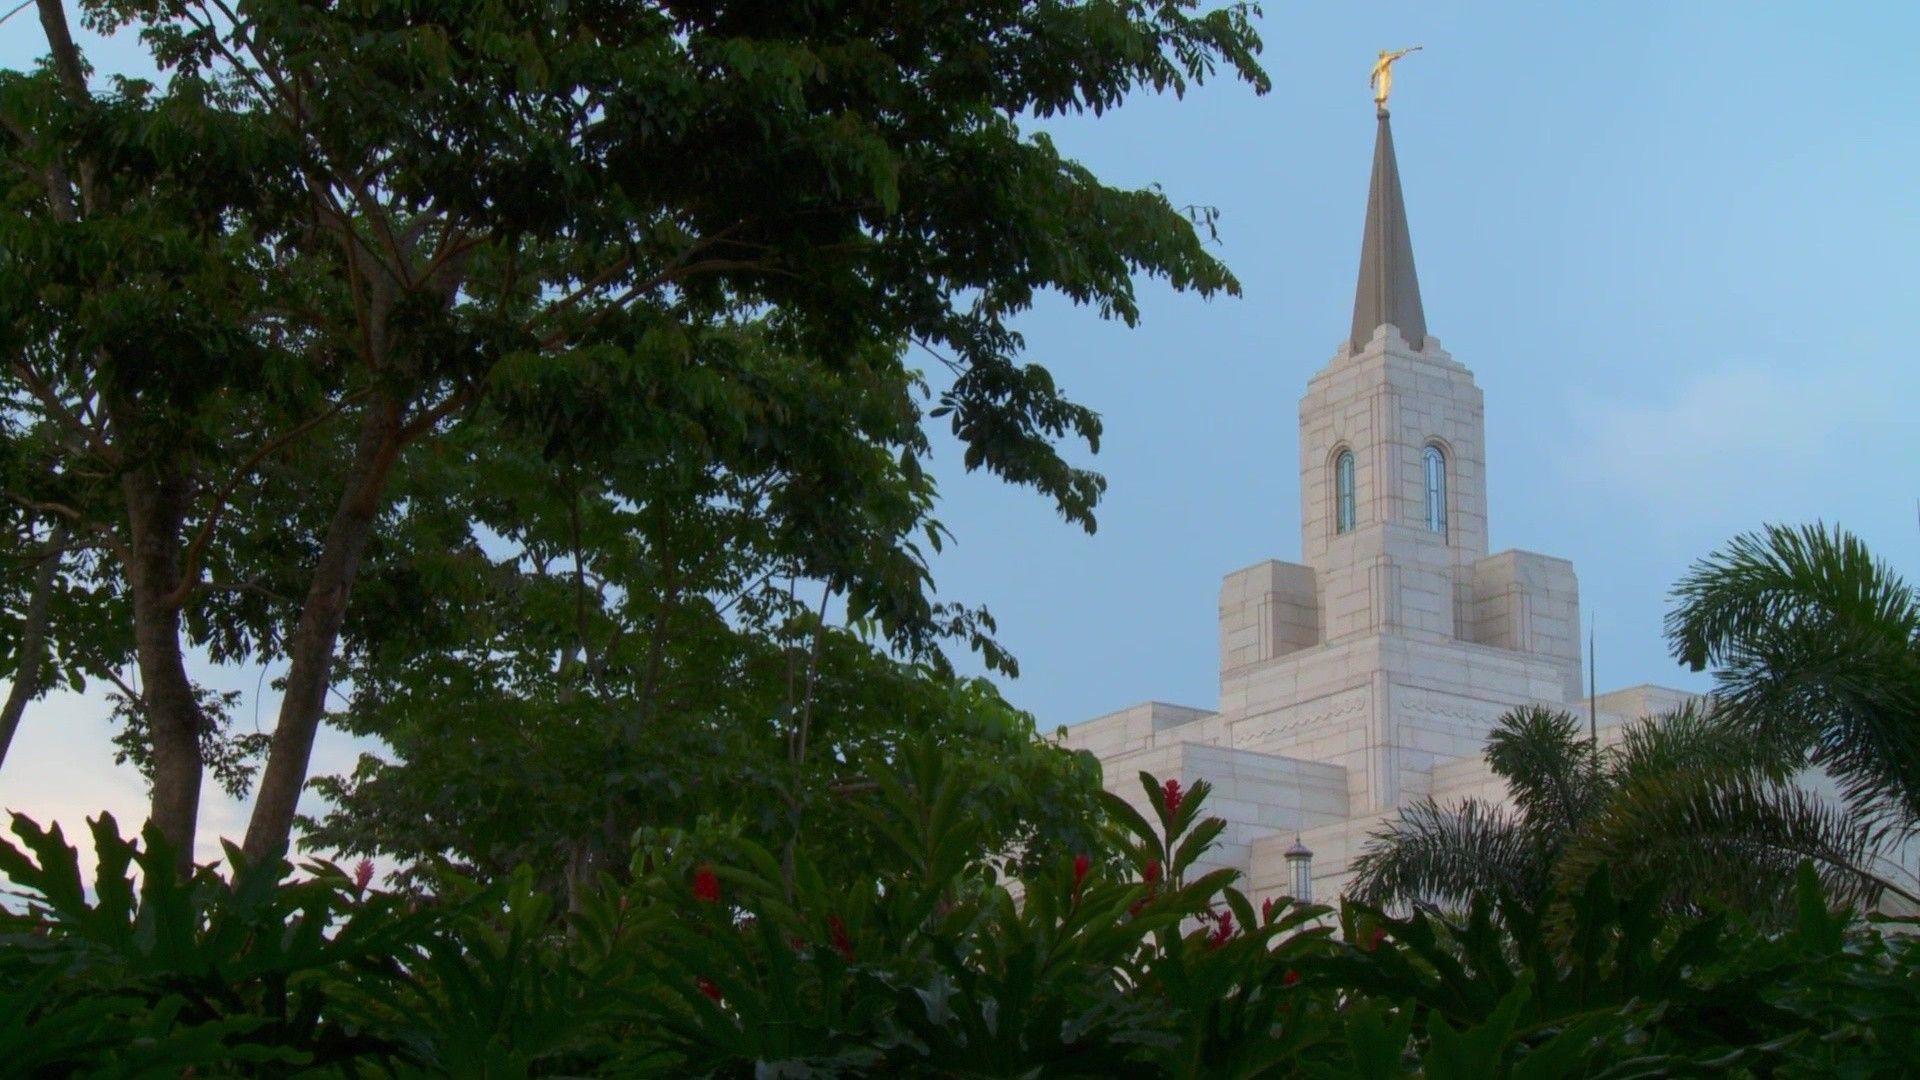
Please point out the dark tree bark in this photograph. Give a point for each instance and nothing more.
(30, 673)
(156, 496)
(313, 644)
(156, 501)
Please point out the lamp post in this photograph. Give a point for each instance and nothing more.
(1300, 871)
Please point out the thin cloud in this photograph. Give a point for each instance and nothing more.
(1731, 440)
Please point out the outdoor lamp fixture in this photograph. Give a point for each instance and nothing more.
(1300, 871)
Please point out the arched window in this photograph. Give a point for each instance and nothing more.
(1343, 503)
(1437, 490)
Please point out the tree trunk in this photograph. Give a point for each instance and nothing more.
(156, 499)
(174, 721)
(29, 673)
(313, 644)
(579, 874)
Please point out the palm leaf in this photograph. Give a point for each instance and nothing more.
(1445, 856)
(1697, 738)
(1548, 765)
(1724, 837)
(1814, 641)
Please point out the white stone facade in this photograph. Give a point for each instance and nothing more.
(1369, 675)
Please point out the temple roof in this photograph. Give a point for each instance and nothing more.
(1389, 291)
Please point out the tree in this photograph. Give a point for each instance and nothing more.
(338, 236)
(563, 663)
(1816, 647)
(1687, 801)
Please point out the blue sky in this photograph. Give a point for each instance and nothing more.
(1674, 242)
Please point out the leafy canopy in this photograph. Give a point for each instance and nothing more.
(252, 303)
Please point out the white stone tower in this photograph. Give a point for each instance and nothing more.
(1398, 613)
(1368, 675)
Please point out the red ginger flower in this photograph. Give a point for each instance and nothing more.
(1170, 796)
(362, 873)
(1081, 864)
(707, 988)
(1222, 930)
(1290, 978)
(1151, 877)
(842, 942)
(1266, 910)
(706, 884)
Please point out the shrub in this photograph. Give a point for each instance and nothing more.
(723, 958)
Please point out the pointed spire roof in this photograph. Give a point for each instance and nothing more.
(1389, 291)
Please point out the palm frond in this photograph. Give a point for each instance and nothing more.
(1815, 641)
(1549, 767)
(1445, 856)
(1783, 577)
(1697, 738)
(1727, 837)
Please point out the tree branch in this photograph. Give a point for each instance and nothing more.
(813, 671)
(580, 646)
(68, 548)
(749, 590)
(73, 75)
(61, 509)
(29, 670)
(66, 57)
(673, 271)
(426, 421)
(42, 392)
(252, 586)
(190, 564)
(133, 696)
(106, 538)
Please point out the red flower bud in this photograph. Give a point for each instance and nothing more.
(1081, 864)
(707, 988)
(1266, 910)
(1374, 939)
(706, 884)
(362, 873)
(1290, 978)
(1170, 795)
(1152, 874)
(1222, 930)
(842, 942)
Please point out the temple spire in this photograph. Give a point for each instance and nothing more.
(1389, 291)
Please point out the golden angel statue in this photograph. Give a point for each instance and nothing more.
(1382, 78)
